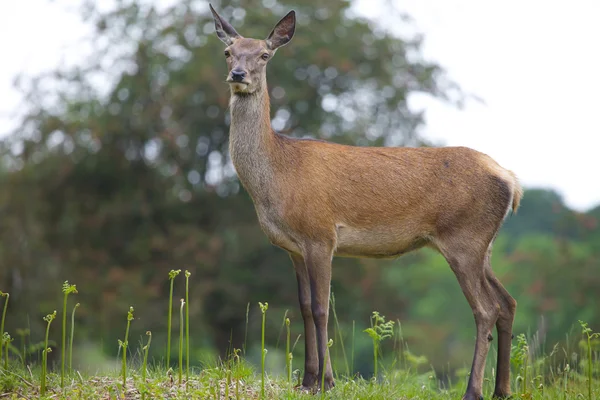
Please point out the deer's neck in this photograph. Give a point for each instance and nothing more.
(251, 139)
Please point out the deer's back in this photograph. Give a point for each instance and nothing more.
(382, 202)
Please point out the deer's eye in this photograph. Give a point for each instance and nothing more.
(265, 56)
(227, 53)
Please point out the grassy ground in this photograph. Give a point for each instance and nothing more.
(238, 380)
(571, 372)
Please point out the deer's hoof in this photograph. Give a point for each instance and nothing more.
(472, 396)
(329, 384)
(308, 382)
(303, 389)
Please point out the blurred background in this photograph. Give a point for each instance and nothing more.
(114, 166)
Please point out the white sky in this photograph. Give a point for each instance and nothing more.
(533, 62)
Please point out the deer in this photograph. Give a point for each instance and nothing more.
(317, 199)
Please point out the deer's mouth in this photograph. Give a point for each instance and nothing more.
(239, 87)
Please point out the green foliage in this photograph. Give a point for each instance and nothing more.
(2, 294)
(123, 347)
(172, 274)
(589, 336)
(520, 360)
(48, 319)
(66, 289)
(263, 351)
(236, 375)
(187, 325)
(6, 343)
(379, 331)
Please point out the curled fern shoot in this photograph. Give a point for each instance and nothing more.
(6, 340)
(288, 355)
(48, 318)
(588, 336)
(379, 331)
(123, 346)
(263, 309)
(66, 289)
(172, 274)
(3, 294)
(187, 326)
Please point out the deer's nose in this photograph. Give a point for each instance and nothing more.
(237, 75)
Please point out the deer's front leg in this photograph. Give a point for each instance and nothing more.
(311, 360)
(318, 264)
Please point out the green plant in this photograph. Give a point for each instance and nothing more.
(187, 327)
(263, 309)
(123, 346)
(3, 294)
(172, 274)
(48, 318)
(288, 355)
(566, 380)
(236, 357)
(145, 364)
(379, 331)
(520, 359)
(228, 382)
(66, 289)
(181, 340)
(71, 337)
(589, 335)
(6, 340)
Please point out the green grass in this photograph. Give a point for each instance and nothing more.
(564, 373)
(240, 381)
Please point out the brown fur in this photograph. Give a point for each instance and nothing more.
(317, 199)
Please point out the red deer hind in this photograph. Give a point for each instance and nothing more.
(317, 200)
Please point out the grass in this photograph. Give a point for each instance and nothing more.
(398, 375)
(240, 381)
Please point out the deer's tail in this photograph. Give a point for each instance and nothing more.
(517, 192)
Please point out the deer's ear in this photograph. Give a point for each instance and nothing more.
(225, 31)
(283, 31)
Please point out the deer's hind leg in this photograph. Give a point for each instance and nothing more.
(466, 257)
(504, 325)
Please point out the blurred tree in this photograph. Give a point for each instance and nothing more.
(119, 170)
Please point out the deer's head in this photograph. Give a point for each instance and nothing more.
(247, 58)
